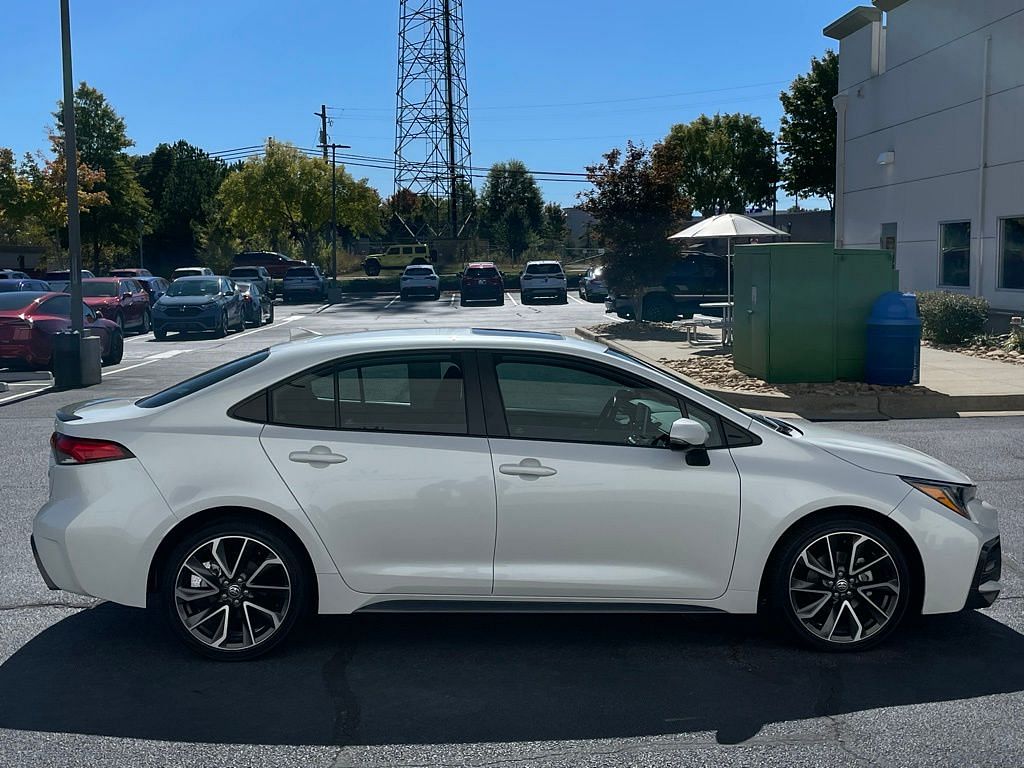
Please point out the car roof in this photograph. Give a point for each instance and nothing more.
(543, 261)
(104, 279)
(480, 264)
(200, 277)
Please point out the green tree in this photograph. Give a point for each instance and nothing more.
(636, 202)
(181, 183)
(511, 207)
(556, 224)
(11, 211)
(286, 194)
(726, 163)
(102, 139)
(808, 131)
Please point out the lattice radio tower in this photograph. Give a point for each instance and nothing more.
(432, 158)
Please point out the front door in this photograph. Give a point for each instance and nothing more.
(380, 454)
(591, 501)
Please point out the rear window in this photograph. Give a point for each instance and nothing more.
(203, 380)
(419, 271)
(482, 272)
(301, 272)
(245, 272)
(16, 300)
(99, 289)
(544, 269)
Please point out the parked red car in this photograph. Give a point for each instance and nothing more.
(30, 319)
(121, 299)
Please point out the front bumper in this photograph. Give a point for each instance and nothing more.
(199, 323)
(985, 586)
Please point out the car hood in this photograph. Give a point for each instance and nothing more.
(99, 301)
(182, 301)
(881, 456)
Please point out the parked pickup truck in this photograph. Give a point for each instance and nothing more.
(695, 278)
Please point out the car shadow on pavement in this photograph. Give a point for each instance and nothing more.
(404, 679)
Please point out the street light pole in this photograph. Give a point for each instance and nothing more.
(71, 167)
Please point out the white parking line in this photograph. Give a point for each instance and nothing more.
(514, 302)
(167, 354)
(264, 327)
(393, 301)
(128, 368)
(578, 301)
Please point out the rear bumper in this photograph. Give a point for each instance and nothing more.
(39, 564)
(552, 291)
(481, 293)
(985, 586)
(420, 290)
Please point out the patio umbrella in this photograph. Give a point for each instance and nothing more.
(729, 226)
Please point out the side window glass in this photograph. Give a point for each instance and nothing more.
(58, 305)
(710, 421)
(551, 401)
(305, 401)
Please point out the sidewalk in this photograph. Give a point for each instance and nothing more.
(951, 385)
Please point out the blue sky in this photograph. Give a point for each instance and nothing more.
(554, 83)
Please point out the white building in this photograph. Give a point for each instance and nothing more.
(930, 142)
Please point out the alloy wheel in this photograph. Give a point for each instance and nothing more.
(232, 593)
(844, 587)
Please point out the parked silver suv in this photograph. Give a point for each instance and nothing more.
(543, 279)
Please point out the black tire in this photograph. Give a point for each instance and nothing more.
(271, 318)
(147, 322)
(159, 335)
(583, 293)
(563, 297)
(462, 302)
(659, 309)
(241, 321)
(119, 319)
(403, 296)
(290, 604)
(371, 267)
(115, 353)
(501, 300)
(525, 299)
(222, 325)
(846, 594)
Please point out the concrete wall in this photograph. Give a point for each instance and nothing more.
(926, 108)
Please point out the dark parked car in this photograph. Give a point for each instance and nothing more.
(258, 275)
(481, 281)
(258, 307)
(696, 277)
(303, 282)
(30, 319)
(154, 286)
(17, 284)
(65, 274)
(121, 299)
(277, 264)
(131, 272)
(201, 304)
(592, 285)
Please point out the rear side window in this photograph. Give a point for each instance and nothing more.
(419, 394)
(301, 272)
(203, 380)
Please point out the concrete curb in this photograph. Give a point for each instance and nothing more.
(933, 405)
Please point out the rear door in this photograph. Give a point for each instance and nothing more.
(386, 455)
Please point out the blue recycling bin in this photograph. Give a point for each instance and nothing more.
(894, 341)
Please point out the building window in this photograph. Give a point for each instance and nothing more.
(1011, 253)
(955, 253)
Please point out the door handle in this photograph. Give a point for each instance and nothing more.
(528, 469)
(318, 457)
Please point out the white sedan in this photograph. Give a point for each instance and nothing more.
(468, 469)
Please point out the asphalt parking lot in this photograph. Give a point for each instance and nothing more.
(84, 683)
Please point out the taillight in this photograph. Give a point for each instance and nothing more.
(83, 450)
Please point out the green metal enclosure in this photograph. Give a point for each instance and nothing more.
(801, 309)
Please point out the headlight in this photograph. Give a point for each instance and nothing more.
(950, 495)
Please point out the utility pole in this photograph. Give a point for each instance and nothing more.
(71, 167)
(334, 208)
(775, 179)
(453, 194)
(322, 114)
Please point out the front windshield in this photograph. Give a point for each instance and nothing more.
(194, 288)
(98, 289)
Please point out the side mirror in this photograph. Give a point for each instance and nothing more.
(687, 435)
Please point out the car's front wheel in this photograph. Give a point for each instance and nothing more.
(843, 584)
(233, 590)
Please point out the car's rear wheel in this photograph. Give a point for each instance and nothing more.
(222, 326)
(146, 322)
(842, 585)
(115, 352)
(241, 320)
(233, 590)
(159, 335)
(270, 319)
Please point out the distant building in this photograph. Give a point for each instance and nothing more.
(803, 226)
(930, 142)
(21, 257)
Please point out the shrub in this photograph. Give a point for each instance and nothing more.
(951, 318)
